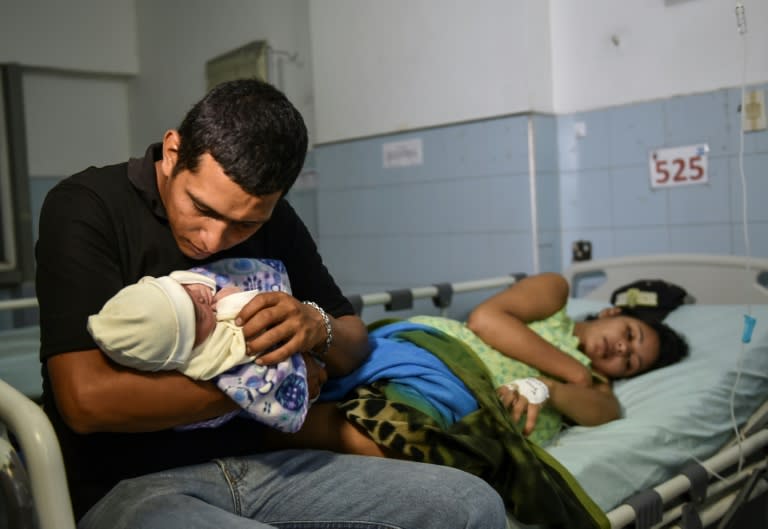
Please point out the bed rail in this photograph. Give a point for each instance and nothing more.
(440, 293)
(681, 484)
(47, 482)
(19, 303)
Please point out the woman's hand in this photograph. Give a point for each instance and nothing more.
(316, 375)
(518, 405)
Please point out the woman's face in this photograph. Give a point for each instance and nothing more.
(619, 346)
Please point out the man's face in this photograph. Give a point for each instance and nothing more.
(207, 211)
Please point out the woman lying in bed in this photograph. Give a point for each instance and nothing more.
(522, 332)
(576, 360)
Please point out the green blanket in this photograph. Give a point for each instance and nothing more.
(535, 487)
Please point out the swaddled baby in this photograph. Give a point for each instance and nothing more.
(180, 322)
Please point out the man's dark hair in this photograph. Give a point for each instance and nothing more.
(673, 346)
(252, 131)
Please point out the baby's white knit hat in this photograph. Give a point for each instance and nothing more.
(149, 325)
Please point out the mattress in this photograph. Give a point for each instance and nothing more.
(673, 415)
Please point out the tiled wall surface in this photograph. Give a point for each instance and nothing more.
(466, 212)
(606, 195)
(463, 214)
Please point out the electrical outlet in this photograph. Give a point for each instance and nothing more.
(753, 111)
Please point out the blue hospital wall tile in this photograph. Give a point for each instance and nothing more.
(545, 143)
(756, 179)
(422, 260)
(548, 200)
(701, 203)
(757, 231)
(585, 199)
(699, 118)
(591, 151)
(446, 153)
(635, 130)
(488, 204)
(341, 165)
(496, 146)
(634, 202)
(304, 202)
(446, 218)
(641, 241)
(550, 251)
(336, 208)
(354, 260)
(754, 141)
(703, 238)
(493, 204)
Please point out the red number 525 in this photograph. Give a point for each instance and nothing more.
(679, 170)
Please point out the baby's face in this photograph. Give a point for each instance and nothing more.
(205, 316)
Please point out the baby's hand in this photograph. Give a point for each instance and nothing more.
(200, 293)
(224, 292)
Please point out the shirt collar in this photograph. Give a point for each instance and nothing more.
(142, 175)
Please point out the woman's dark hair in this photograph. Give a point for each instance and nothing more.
(673, 346)
(252, 131)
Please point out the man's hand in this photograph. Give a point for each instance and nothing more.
(277, 325)
(519, 405)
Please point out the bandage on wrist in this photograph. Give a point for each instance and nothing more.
(531, 388)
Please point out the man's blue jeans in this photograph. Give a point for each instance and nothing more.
(301, 489)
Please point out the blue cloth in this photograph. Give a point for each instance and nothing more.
(397, 360)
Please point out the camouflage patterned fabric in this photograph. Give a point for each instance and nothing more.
(535, 487)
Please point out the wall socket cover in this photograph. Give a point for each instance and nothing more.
(753, 111)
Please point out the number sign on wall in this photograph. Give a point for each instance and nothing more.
(678, 166)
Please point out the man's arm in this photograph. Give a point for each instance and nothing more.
(501, 321)
(349, 347)
(93, 394)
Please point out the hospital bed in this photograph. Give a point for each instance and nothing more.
(673, 460)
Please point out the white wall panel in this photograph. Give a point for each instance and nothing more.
(607, 53)
(83, 35)
(73, 122)
(390, 66)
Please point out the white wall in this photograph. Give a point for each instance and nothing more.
(402, 64)
(83, 35)
(177, 37)
(662, 48)
(77, 59)
(73, 122)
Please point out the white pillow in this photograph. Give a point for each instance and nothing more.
(673, 414)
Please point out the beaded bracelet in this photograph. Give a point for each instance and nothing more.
(328, 328)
